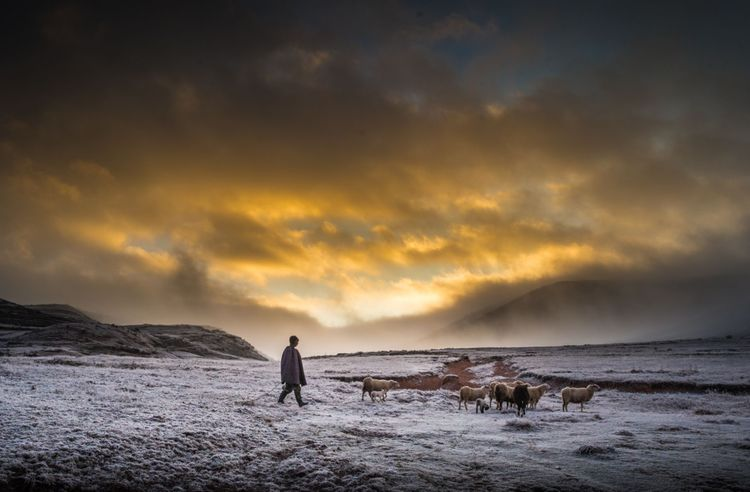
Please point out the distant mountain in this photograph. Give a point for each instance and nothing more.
(591, 311)
(59, 328)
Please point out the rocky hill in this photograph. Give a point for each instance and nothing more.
(61, 329)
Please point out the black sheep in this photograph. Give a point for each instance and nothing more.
(521, 398)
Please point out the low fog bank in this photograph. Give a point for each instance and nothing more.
(568, 312)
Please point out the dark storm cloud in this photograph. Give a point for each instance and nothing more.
(378, 149)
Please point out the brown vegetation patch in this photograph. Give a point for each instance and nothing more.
(504, 370)
(432, 382)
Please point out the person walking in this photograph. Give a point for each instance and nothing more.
(292, 373)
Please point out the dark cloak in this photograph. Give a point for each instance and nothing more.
(291, 367)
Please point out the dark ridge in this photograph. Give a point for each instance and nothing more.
(64, 311)
(199, 340)
(142, 340)
(12, 314)
(59, 329)
(642, 386)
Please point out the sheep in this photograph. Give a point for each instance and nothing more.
(577, 395)
(379, 395)
(504, 393)
(508, 392)
(481, 405)
(536, 392)
(369, 385)
(521, 398)
(467, 394)
(492, 390)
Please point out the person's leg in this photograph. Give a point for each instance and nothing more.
(298, 395)
(285, 391)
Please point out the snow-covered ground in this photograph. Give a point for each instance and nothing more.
(105, 421)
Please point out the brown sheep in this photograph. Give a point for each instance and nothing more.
(504, 393)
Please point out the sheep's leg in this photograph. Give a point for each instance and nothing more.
(582, 406)
(363, 394)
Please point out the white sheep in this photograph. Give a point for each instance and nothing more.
(378, 395)
(481, 405)
(369, 385)
(467, 394)
(536, 392)
(577, 395)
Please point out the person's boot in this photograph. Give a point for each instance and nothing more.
(282, 396)
(298, 397)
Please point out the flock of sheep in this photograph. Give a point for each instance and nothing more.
(517, 393)
(520, 394)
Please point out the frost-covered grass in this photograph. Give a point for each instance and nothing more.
(699, 361)
(384, 366)
(102, 421)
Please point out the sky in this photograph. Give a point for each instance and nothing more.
(269, 166)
